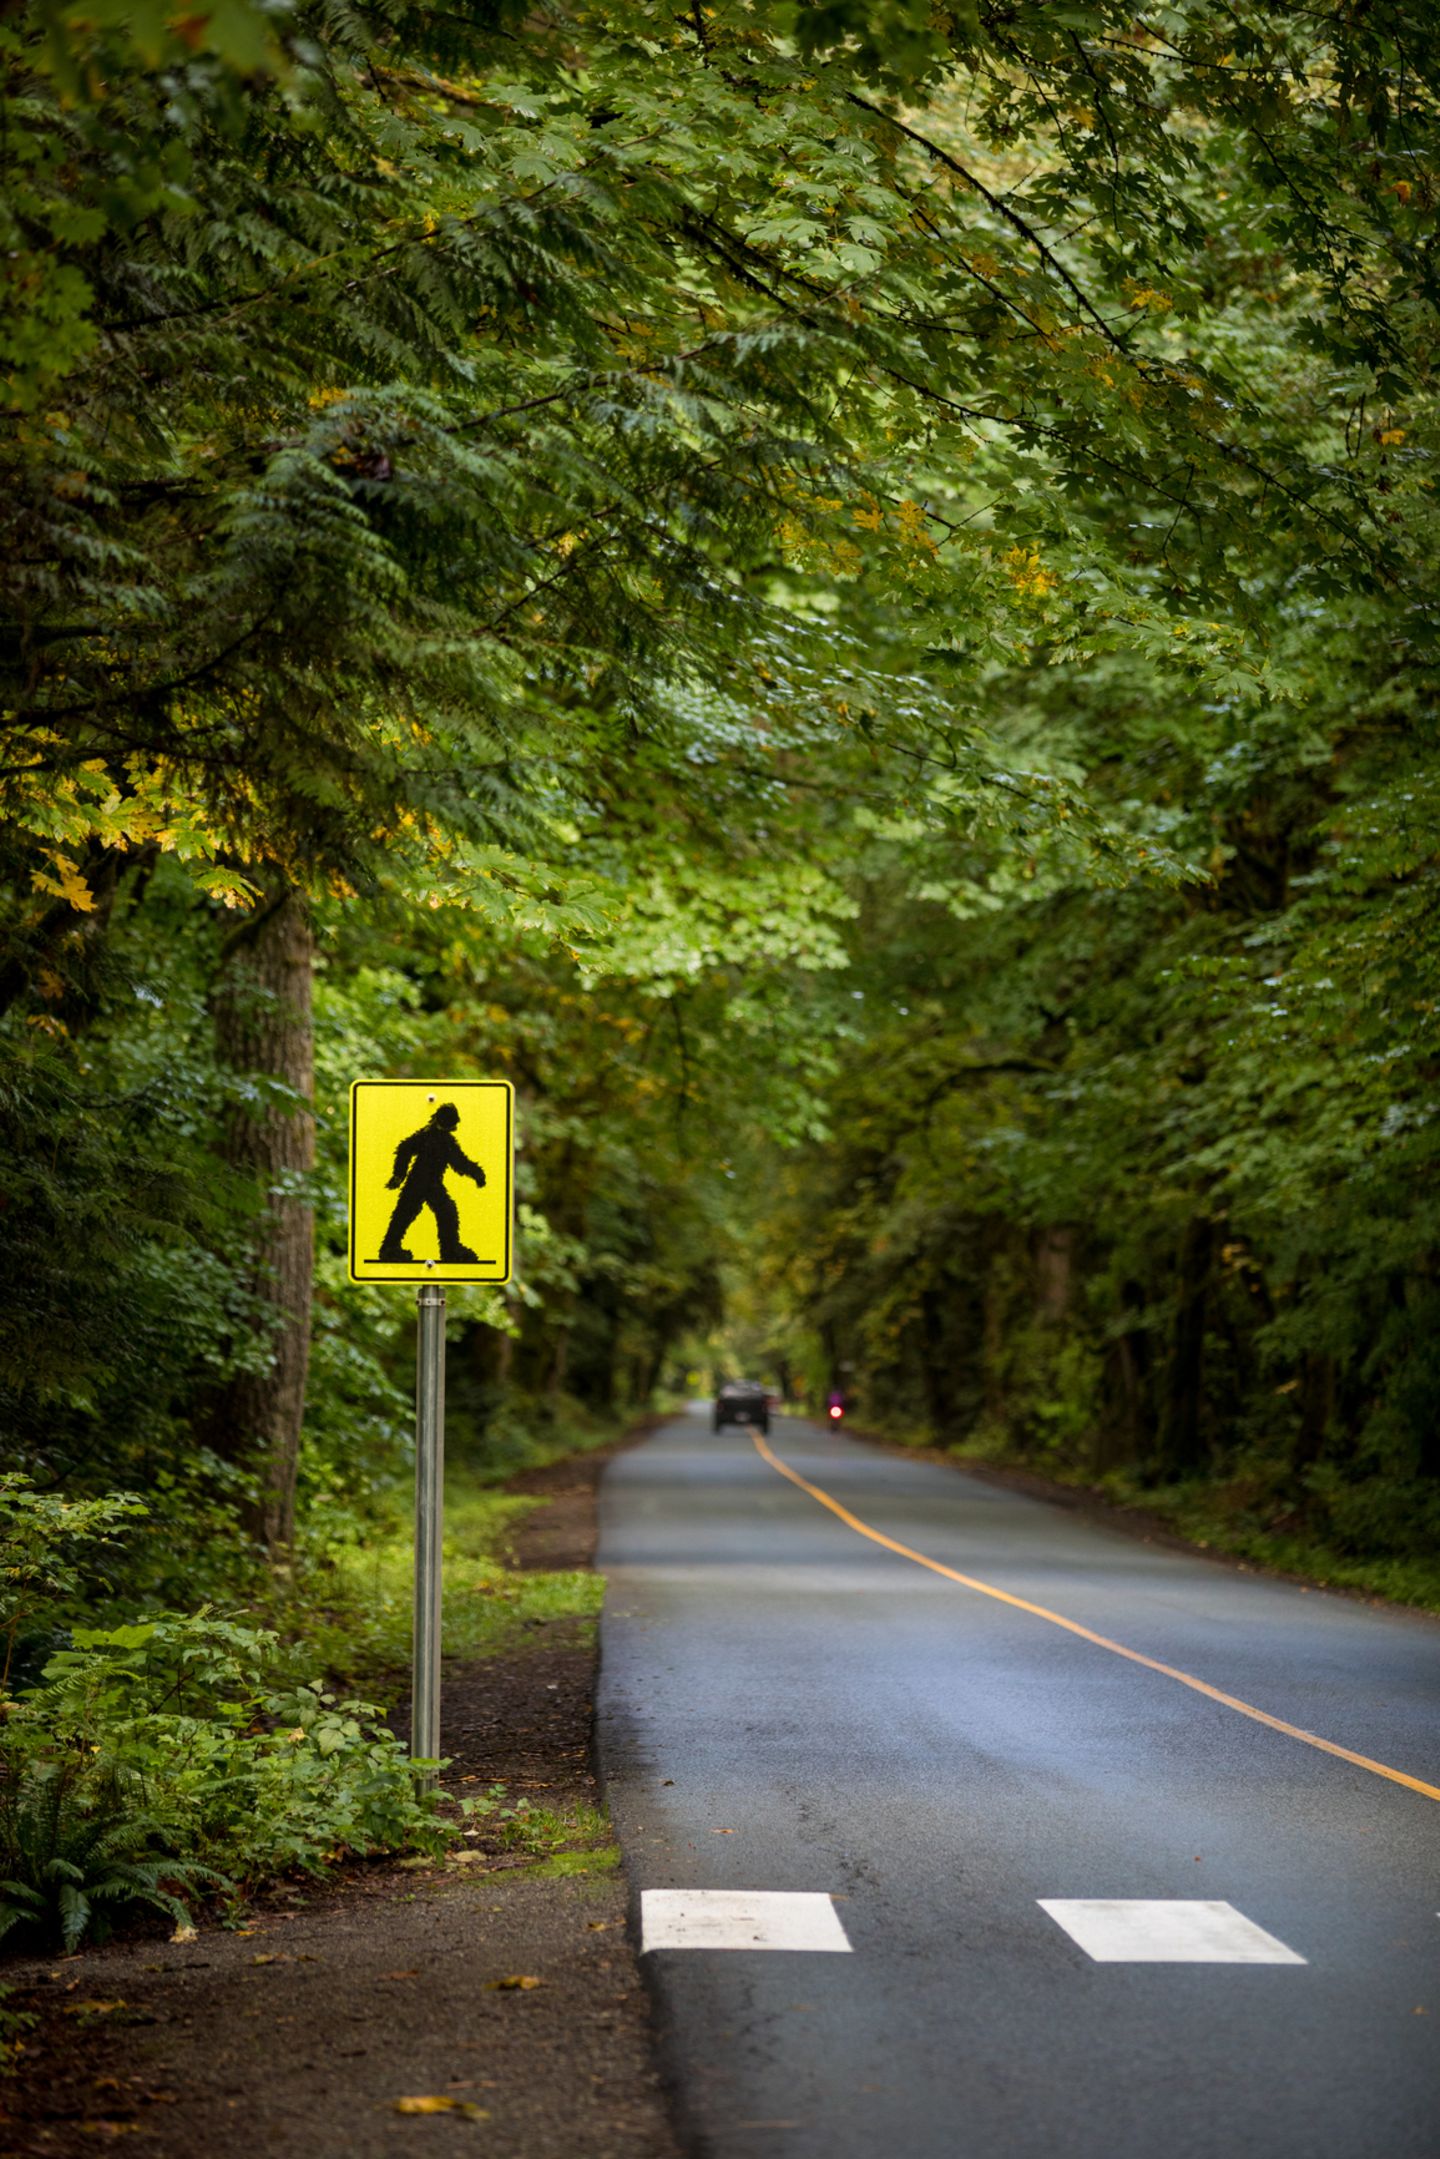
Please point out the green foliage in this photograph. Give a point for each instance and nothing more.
(178, 1753)
(563, 1841)
(48, 1548)
(156, 1761)
(74, 1857)
(355, 1595)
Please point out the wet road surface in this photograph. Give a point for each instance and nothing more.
(1056, 1902)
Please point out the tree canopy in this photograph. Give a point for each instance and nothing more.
(843, 593)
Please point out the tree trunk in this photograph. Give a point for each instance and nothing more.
(1054, 1257)
(263, 1032)
(1317, 1407)
(935, 1372)
(1182, 1443)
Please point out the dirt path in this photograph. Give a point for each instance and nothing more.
(299, 2034)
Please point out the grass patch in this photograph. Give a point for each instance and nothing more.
(561, 1841)
(565, 1865)
(357, 1602)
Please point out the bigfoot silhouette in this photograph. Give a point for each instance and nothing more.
(421, 1165)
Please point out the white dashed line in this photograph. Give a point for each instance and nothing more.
(1136, 1930)
(739, 1919)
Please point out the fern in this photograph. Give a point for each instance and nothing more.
(75, 1854)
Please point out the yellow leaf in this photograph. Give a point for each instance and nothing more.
(72, 885)
(1391, 435)
(518, 1982)
(441, 2103)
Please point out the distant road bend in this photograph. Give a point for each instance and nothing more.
(967, 1828)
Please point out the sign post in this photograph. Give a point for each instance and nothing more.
(429, 1522)
(442, 1149)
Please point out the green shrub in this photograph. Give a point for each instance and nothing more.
(157, 1759)
(355, 1599)
(49, 1551)
(73, 1855)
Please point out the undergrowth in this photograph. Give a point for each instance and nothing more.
(556, 1842)
(356, 1599)
(181, 1756)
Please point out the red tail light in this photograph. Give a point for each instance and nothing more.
(836, 1411)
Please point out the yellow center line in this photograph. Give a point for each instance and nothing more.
(1086, 1634)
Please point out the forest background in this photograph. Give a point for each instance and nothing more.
(843, 594)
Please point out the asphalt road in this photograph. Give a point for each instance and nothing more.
(787, 1706)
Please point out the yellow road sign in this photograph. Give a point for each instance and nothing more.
(431, 1180)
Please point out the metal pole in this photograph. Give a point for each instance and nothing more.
(429, 1521)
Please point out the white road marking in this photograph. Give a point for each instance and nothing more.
(739, 1919)
(1144, 1930)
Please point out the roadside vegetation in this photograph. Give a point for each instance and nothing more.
(846, 596)
(189, 1757)
(358, 1605)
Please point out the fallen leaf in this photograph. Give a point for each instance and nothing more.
(401, 1975)
(598, 1926)
(269, 1956)
(184, 1934)
(92, 2009)
(441, 2103)
(722, 1832)
(516, 1983)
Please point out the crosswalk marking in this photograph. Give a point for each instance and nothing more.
(1145, 1930)
(1110, 1930)
(739, 1919)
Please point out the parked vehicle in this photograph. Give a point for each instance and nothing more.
(742, 1401)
